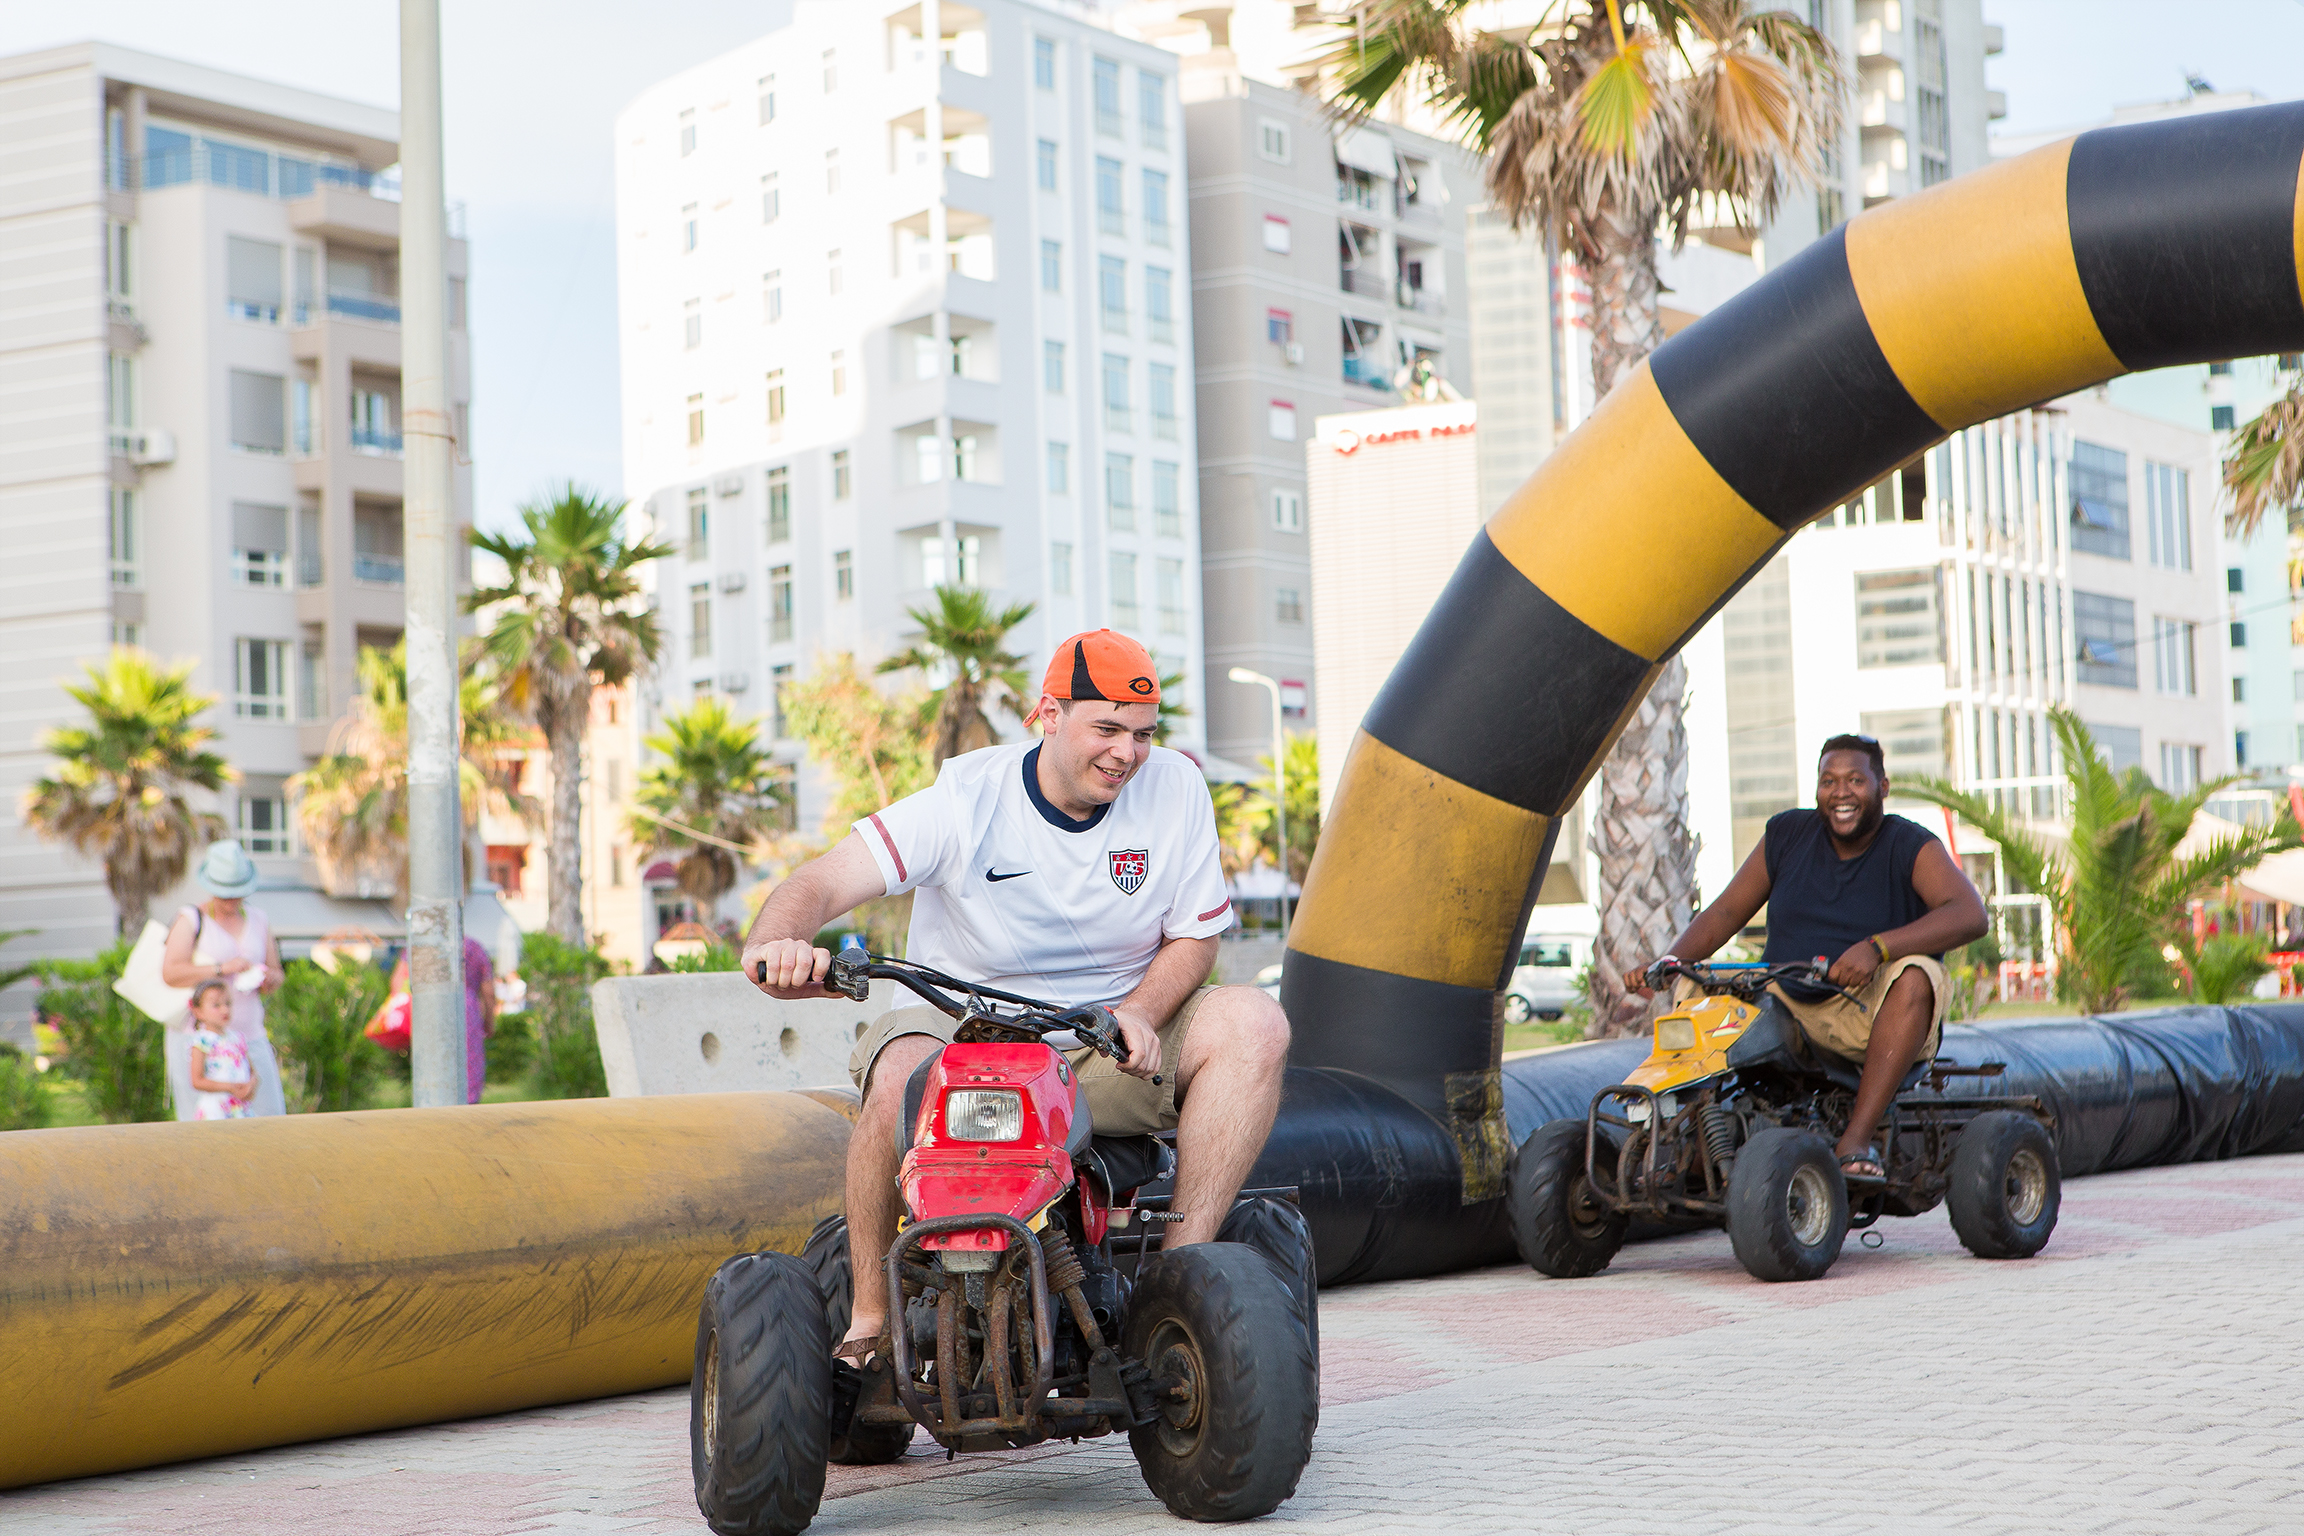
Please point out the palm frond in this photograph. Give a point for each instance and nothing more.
(2264, 464)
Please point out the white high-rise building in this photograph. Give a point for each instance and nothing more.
(905, 301)
(199, 429)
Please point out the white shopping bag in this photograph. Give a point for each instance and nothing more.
(140, 981)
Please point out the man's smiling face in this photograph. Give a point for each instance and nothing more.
(1851, 797)
(1095, 747)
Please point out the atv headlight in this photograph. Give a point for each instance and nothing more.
(984, 1114)
(1676, 1034)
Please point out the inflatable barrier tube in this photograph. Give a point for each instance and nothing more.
(170, 1291)
(2133, 247)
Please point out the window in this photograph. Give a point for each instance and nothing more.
(302, 408)
(1060, 570)
(1052, 366)
(1167, 501)
(127, 634)
(700, 688)
(778, 727)
(1117, 416)
(969, 567)
(1279, 327)
(839, 373)
(832, 272)
(1159, 319)
(1896, 618)
(1288, 605)
(1120, 492)
(2168, 516)
(2179, 768)
(1059, 469)
(1280, 421)
(779, 505)
(2105, 629)
(771, 201)
(1287, 512)
(2100, 502)
(2239, 690)
(1124, 610)
(840, 477)
(772, 296)
(687, 133)
(1107, 94)
(695, 420)
(1044, 63)
(700, 619)
(2239, 638)
(688, 228)
(1272, 140)
(252, 279)
(2240, 749)
(2173, 642)
(372, 427)
(1045, 160)
(120, 392)
(832, 172)
(1168, 594)
(779, 602)
(699, 525)
(1160, 389)
(126, 539)
(775, 405)
(831, 71)
(378, 550)
(259, 544)
(312, 679)
(1276, 236)
(119, 268)
(260, 679)
(2235, 579)
(263, 819)
(1152, 109)
(767, 100)
(843, 574)
(692, 324)
(1156, 207)
(1051, 266)
(259, 412)
(1111, 215)
(1112, 292)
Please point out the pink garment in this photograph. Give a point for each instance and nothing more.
(479, 979)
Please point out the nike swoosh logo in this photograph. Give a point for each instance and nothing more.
(996, 879)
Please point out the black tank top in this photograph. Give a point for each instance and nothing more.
(1820, 903)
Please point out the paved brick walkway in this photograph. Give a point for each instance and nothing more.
(2140, 1376)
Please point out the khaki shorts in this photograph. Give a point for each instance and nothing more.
(1839, 1027)
(1118, 1105)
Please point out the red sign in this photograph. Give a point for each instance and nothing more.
(1348, 441)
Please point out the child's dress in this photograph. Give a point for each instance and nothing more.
(227, 1063)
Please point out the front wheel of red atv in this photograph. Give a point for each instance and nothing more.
(760, 1401)
(1215, 1324)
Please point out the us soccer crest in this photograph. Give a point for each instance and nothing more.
(1128, 866)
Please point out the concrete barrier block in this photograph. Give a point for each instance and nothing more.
(713, 1032)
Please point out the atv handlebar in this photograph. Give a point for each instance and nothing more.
(1747, 981)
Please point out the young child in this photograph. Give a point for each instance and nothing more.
(224, 1080)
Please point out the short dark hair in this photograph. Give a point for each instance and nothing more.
(1851, 741)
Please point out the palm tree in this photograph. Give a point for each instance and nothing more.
(119, 790)
(566, 617)
(2264, 466)
(961, 640)
(1609, 122)
(714, 788)
(352, 805)
(868, 743)
(2120, 890)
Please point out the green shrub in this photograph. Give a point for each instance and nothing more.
(560, 977)
(316, 1021)
(2226, 966)
(511, 1047)
(716, 957)
(110, 1047)
(23, 1103)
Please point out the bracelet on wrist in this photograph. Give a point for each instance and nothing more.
(1882, 949)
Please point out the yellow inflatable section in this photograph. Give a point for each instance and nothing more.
(169, 1291)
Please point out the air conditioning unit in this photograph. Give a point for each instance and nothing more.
(1295, 351)
(729, 485)
(145, 447)
(735, 682)
(731, 581)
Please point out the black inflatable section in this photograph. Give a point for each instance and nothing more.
(1379, 1182)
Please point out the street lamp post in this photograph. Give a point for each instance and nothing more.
(1279, 780)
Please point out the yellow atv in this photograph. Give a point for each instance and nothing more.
(1731, 1121)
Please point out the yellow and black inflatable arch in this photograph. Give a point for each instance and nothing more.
(2123, 249)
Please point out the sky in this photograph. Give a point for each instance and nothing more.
(532, 90)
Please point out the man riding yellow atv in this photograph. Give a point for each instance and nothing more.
(1731, 1121)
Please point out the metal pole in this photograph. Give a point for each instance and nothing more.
(1279, 779)
(435, 827)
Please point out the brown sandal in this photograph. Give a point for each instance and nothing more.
(859, 1350)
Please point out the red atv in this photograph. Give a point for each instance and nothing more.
(1013, 1319)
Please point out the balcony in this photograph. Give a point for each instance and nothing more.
(1366, 373)
(379, 570)
(376, 442)
(361, 306)
(1359, 191)
(1422, 300)
(1360, 280)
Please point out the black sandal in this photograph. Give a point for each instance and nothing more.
(1863, 1167)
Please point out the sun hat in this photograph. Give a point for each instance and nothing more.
(1103, 664)
(226, 870)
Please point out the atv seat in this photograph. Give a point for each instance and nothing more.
(1120, 1163)
(1774, 1041)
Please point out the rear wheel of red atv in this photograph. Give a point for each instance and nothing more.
(1787, 1205)
(1232, 1437)
(760, 1400)
(1558, 1223)
(1277, 1230)
(2005, 1187)
(864, 1445)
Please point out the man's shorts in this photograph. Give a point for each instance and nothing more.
(1840, 1027)
(1118, 1105)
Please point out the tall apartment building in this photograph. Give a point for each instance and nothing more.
(199, 429)
(905, 301)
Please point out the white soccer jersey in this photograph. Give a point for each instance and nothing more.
(1014, 894)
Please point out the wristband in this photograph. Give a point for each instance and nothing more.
(1885, 957)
